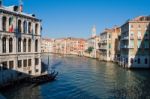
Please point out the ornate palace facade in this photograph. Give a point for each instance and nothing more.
(20, 49)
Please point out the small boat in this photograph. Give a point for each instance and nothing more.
(42, 78)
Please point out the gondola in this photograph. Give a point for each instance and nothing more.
(42, 78)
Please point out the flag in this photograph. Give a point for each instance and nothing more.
(11, 28)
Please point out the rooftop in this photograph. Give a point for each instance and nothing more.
(15, 10)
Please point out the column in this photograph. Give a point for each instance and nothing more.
(14, 45)
(7, 23)
(0, 44)
(32, 45)
(33, 65)
(27, 28)
(27, 45)
(22, 45)
(39, 45)
(33, 28)
(1, 22)
(39, 66)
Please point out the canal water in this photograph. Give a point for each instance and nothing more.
(85, 78)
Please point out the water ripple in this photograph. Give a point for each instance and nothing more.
(84, 78)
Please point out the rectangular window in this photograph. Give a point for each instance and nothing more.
(19, 63)
(132, 43)
(11, 64)
(146, 44)
(36, 61)
(29, 62)
(139, 61)
(109, 45)
(132, 35)
(139, 35)
(131, 26)
(139, 43)
(30, 72)
(146, 61)
(109, 35)
(146, 35)
(25, 63)
(36, 70)
(4, 65)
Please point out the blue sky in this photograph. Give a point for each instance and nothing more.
(75, 18)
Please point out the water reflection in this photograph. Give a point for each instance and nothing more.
(84, 78)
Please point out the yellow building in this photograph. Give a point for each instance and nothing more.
(108, 45)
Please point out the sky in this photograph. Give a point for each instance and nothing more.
(75, 18)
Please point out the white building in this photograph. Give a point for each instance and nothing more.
(20, 51)
(92, 42)
(47, 45)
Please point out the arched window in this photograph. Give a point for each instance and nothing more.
(24, 27)
(29, 27)
(9, 21)
(36, 45)
(29, 45)
(139, 61)
(19, 26)
(24, 45)
(4, 44)
(10, 45)
(19, 44)
(4, 20)
(36, 28)
(145, 60)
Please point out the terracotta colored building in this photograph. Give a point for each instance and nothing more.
(135, 43)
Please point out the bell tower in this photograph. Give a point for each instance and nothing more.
(93, 31)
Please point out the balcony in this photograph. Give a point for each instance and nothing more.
(103, 41)
(124, 46)
(146, 47)
(131, 46)
(103, 48)
(147, 37)
(125, 38)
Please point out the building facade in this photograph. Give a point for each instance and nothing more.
(69, 45)
(135, 43)
(47, 45)
(20, 38)
(108, 45)
(59, 46)
(92, 43)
